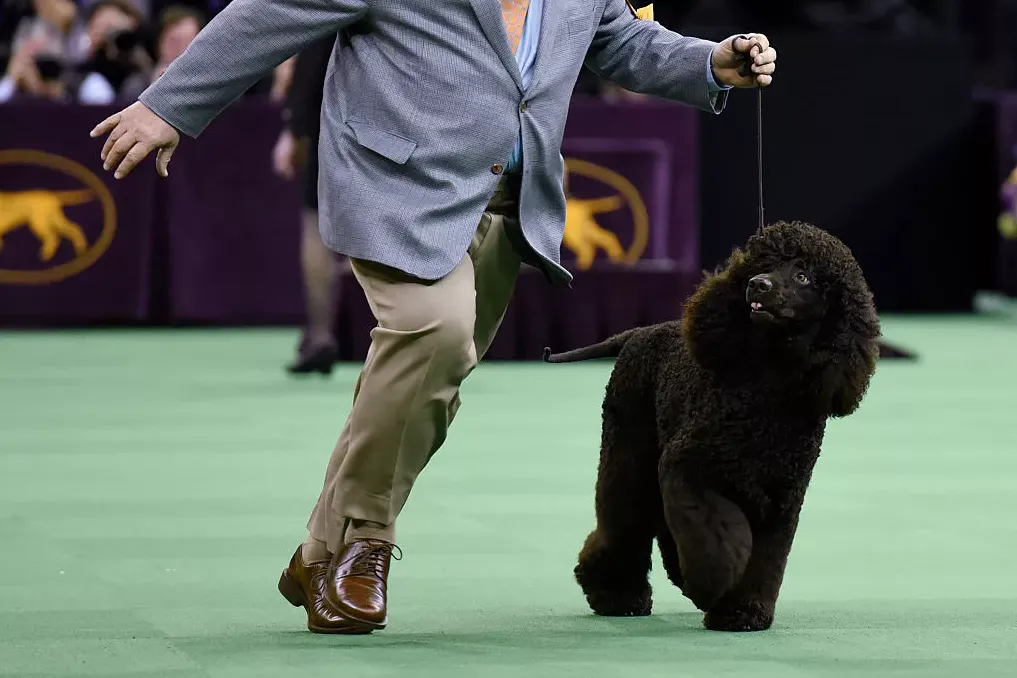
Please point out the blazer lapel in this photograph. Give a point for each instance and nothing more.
(489, 13)
(548, 28)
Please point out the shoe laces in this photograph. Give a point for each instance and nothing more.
(370, 562)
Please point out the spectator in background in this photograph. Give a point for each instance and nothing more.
(38, 78)
(12, 13)
(296, 153)
(178, 26)
(115, 51)
(273, 86)
(40, 49)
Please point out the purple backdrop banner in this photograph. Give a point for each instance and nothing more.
(632, 184)
(234, 226)
(218, 241)
(234, 237)
(74, 243)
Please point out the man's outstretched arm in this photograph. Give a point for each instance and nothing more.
(643, 56)
(244, 42)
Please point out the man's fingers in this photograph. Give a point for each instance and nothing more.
(118, 151)
(760, 44)
(113, 137)
(162, 160)
(767, 57)
(760, 65)
(752, 44)
(105, 126)
(135, 156)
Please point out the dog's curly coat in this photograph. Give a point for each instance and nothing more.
(712, 426)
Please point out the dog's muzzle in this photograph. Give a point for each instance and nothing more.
(763, 298)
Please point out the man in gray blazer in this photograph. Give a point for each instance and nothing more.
(440, 175)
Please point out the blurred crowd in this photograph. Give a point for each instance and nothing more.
(98, 51)
(108, 51)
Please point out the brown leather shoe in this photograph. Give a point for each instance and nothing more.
(357, 581)
(303, 585)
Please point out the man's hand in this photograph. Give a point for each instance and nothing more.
(734, 54)
(282, 80)
(134, 133)
(288, 155)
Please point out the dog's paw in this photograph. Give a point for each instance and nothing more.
(739, 618)
(620, 603)
(608, 593)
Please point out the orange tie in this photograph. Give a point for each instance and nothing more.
(513, 12)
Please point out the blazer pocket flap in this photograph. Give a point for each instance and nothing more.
(577, 27)
(576, 23)
(392, 146)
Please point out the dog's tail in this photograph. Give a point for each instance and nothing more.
(70, 198)
(609, 348)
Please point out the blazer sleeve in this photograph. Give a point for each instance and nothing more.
(642, 56)
(240, 45)
(302, 110)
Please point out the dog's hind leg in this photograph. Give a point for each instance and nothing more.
(614, 563)
(712, 536)
(71, 231)
(750, 605)
(669, 553)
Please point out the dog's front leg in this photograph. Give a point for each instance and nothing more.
(614, 563)
(711, 534)
(750, 605)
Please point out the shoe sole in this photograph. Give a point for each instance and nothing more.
(320, 371)
(293, 594)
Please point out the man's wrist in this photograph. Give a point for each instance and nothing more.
(712, 81)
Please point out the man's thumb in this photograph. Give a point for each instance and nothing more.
(162, 159)
(743, 42)
(741, 45)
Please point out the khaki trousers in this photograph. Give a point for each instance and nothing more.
(429, 336)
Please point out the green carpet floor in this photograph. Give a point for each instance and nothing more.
(153, 485)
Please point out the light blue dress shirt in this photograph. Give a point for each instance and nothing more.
(526, 55)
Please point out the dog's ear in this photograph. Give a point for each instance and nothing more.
(847, 349)
(845, 379)
(713, 313)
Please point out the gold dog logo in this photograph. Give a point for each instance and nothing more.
(584, 236)
(42, 212)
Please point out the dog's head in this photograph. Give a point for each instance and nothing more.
(786, 298)
(792, 301)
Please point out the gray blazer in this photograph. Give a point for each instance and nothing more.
(423, 104)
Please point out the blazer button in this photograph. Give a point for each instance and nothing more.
(523, 106)
(496, 168)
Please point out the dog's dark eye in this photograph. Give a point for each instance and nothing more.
(802, 279)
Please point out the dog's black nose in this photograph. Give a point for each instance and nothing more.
(760, 283)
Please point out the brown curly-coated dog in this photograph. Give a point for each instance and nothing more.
(712, 427)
